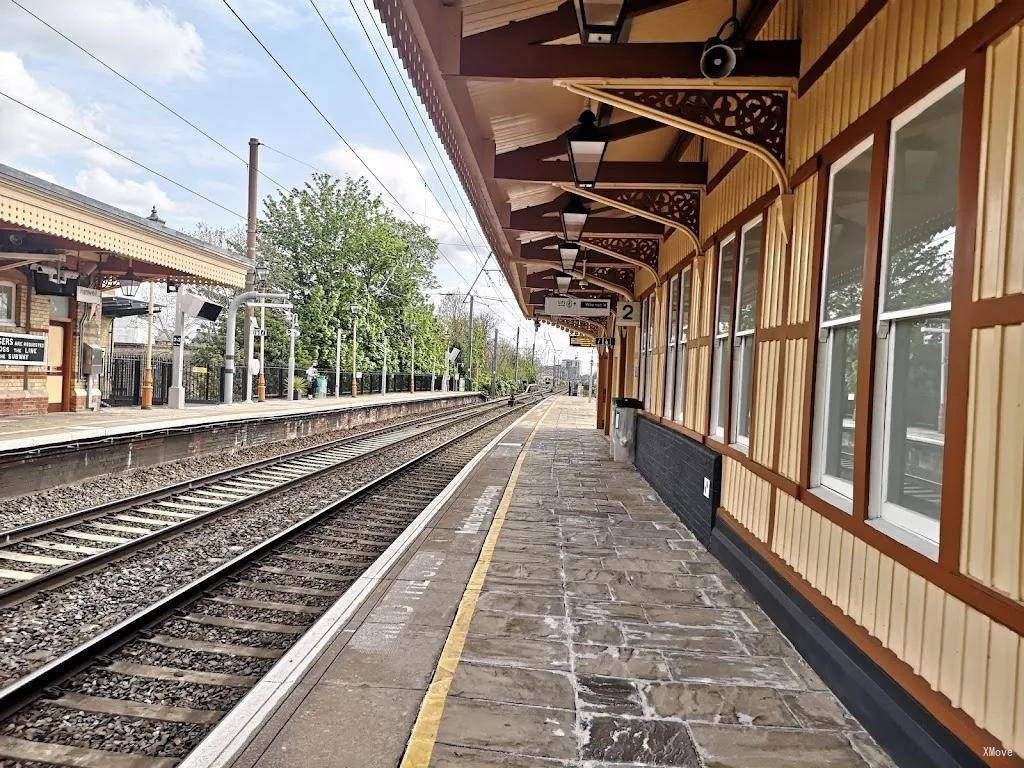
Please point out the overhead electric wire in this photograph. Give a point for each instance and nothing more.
(141, 90)
(337, 133)
(419, 114)
(121, 155)
(465, 234)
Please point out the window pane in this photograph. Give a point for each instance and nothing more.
(726, 264)
(922, 211)
(684, 306)
(750, 264)
(673, 313)
(743, 371)
(840, 400)
(847, 221)
(917, 423)
(6, 302)
(722, 348)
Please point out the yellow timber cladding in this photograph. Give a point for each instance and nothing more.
(946, 624)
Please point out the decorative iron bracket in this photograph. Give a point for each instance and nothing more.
(747, 118)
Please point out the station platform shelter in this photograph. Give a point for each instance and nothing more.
(549, 611)
(796, 229)
(61, 255)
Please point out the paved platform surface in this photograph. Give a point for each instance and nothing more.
(595, 631)
(18, 432)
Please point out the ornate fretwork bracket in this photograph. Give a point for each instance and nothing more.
(675, 208)
(637, 250)
(746, 118)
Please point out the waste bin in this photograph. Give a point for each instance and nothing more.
(624, 428)
(321, 386)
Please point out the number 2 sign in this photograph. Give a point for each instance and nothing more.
(627, 313)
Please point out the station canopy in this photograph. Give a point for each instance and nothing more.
(507, 82)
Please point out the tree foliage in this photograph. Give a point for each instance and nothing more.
(333, 246)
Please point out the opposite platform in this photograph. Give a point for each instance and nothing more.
(21, 432)
(556, 613)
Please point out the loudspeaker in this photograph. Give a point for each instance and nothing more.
(718, 59)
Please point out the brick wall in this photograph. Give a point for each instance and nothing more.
(23, 389)
(676, 467)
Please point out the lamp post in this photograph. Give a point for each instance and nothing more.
(262, 276)
(600, 21)
(587, 144)
(412, 360)
(354, 309)
(146, 391)
(574, 218)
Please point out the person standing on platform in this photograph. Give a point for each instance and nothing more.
(311, 373)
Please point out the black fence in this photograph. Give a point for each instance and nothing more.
(121, 382)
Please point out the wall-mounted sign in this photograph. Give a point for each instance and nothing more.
(22, 349)
(604, 341)
(570, 306)
(628, 313)
(581, 341)
(89, 295)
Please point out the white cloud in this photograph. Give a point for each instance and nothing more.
(142, 39)
(25, 134)
(133, 196)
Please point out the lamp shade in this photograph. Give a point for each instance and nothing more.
(567, 253)
(600, 20)
(574, 219)
(563, 281)
(587, 144)
(129, 283)
(262, 273)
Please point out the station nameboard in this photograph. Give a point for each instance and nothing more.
(22, 349)
(570, 306)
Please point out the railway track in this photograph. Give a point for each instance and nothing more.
(46, 553)
(143, 693)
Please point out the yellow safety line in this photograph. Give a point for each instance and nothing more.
(428, 721)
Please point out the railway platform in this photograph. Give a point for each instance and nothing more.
(550, 612)
(59, 448)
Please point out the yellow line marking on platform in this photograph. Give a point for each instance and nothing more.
(424, 732)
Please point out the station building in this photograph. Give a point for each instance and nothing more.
(61, 254)
(827, 254)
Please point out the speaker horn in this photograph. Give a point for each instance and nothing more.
(718, 59)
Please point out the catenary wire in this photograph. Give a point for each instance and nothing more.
(121, 155)
(141, 90)
(331, 125)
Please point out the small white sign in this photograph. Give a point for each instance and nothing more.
(570, 306)
(89, 295)
(452, 354)
(628, 313)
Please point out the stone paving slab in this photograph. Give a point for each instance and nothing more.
(604, 636)
(607, 636)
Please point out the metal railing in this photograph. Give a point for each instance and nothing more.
(121, 381)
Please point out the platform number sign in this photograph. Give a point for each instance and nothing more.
(628, 313)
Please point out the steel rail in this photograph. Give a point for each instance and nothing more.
(34, 685)
(21, 532)
(23, 590)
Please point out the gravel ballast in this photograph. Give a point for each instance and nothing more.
(41, 627)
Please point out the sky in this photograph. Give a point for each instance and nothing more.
(198, 59)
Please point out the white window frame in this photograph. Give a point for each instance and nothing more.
(826, 337)
(879, 509)
(720, 349)
(642, 353)
(672, 331)
(12, 320)
(649, 360)
(742, 343)
(682, 336)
